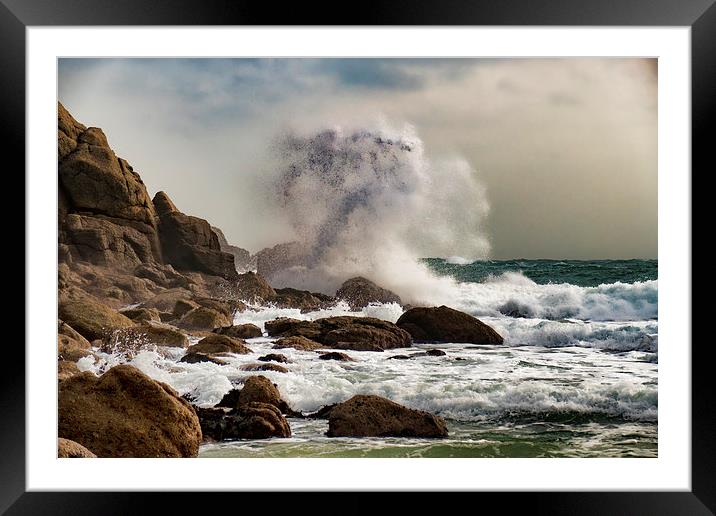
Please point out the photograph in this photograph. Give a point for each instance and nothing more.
(357, 257)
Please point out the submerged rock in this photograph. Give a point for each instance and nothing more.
(443, 324)
(373, 416)
(274, 357)
(264, 367)
(195, 358)
(335, 355)
(344, 332)
(251, 421)
(359, 292)
(124, 413)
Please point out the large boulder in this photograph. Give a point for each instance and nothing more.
(202, 318)
(344, 332)
(256, 389)
(71, 346)
(166, 300)
(143, 336)
(67, 449)
(251, 421)
(139, 315)
(373, 416)
(124, 413)
(66, 369)
(360, 292)
(302, 299)
(297, 342)
(188, 243)
(104, 242)
(88, 316)
(254, 288)
(213, 344)
(95, 182)
(444, 324)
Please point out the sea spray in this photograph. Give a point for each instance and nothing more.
(371, 203)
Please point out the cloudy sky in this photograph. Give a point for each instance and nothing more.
(566, 149)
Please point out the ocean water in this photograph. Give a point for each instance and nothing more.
(576, 377)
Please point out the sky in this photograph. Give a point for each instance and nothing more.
(565, 150)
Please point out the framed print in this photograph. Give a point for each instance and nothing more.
(434, 250)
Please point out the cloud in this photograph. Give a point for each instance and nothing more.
(566, 148)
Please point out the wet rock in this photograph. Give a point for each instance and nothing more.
(443, 324)
(241, 256)
(274, 357)
(301, 343)
(359, 292)
(124, 413)
(251, 421)
(182, 307)
(400, 357)
(255, 389)
(166, 300)
(214, 344)
(435, 353)
(302, 299)
(144, 335)
(240, 331)
(373, 416)
(264, 367)
(344, 332)
(67, 449)
(195, 358)
(334, 355)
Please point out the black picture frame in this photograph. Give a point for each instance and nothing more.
(699, 15)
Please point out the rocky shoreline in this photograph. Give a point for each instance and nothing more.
(137, 273)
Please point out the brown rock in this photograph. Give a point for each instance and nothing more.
(66, 369)
(251, 421)
(301, 343)
(144, 335)
(92, 179)
(254, 288)
(212, 344)
(360, 292)
(142, 314)
(240, 331)
(274, 357)
(67, 449)
(195, 358)
(373, 416)
(188, 243)
(202, 318)
(166, 300)
(443, 324)
(89, 317)
(71, 350)
(264, 367)
(124, 413)
(302, 299)
(257, 389)
(334, 355)
(344, 332)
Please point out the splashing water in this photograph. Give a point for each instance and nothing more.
(371, 203)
